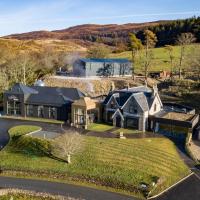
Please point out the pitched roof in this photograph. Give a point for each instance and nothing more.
(47, 95)
(20, 88)
(142, 101)
(142, 94)
(102, 60)
(86, 102)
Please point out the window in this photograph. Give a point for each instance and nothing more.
(29, 110)
(14, 107)
(79, 116)
(132, 110)
(41, 111)
(52, 113)
(155, 108)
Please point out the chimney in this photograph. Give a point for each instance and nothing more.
(155, 89)
(112, 88)
(127, 86)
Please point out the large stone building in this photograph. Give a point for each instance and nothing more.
(42, 102)
(102, 67)
(131, 107)
(137, 108)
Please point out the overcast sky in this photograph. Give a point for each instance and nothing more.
(17, 16)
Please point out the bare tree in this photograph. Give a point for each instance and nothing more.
(183, 40)
(169, 49)
(68, 144)
(150, 42)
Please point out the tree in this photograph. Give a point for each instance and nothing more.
(98, 51)
(135, 45)
(183, 40)
(169, 49)
(67, 144)
(150, 42)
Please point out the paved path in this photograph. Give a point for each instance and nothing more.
(61, 189)
(186, 190)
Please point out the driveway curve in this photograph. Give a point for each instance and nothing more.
(6, 124)
(63, 189)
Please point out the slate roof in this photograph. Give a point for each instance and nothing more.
(47, 95)
(116, 60)
(20, 88)
(142, 94)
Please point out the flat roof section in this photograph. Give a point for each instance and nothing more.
(178, 116)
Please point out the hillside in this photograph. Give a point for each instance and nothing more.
(118, 35)
(77, 32)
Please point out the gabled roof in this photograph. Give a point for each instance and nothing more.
(142, 95)
(118, 112)
(47, 95)
(142, 101)
(20, 88)
(102, 60)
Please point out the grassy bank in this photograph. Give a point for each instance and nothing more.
(113, 163)
(160, 60)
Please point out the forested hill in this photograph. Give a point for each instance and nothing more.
(117, 35)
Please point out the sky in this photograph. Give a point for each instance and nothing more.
(18, 16)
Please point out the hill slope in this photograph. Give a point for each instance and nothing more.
(81, 31)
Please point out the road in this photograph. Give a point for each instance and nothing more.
(61, 189)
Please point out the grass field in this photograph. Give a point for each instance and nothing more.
(127, 131)
(99, 127)
(160, 60)
(113, 163)
(24, 197)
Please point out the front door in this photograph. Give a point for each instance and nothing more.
(118, 121)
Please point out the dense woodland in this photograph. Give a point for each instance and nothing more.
(166, 32)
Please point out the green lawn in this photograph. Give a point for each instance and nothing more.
(127, 131)
(99, 127)
(119, 164)
(22, 130)
(160, 60)
(24, 197)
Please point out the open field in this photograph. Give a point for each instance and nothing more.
(114, 163)
(160, 59)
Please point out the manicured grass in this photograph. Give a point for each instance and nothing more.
(34, 119)
(160, 60)
(114, 163)
(24, 197)
(127, 131)
(22, 130)
(99, 127)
